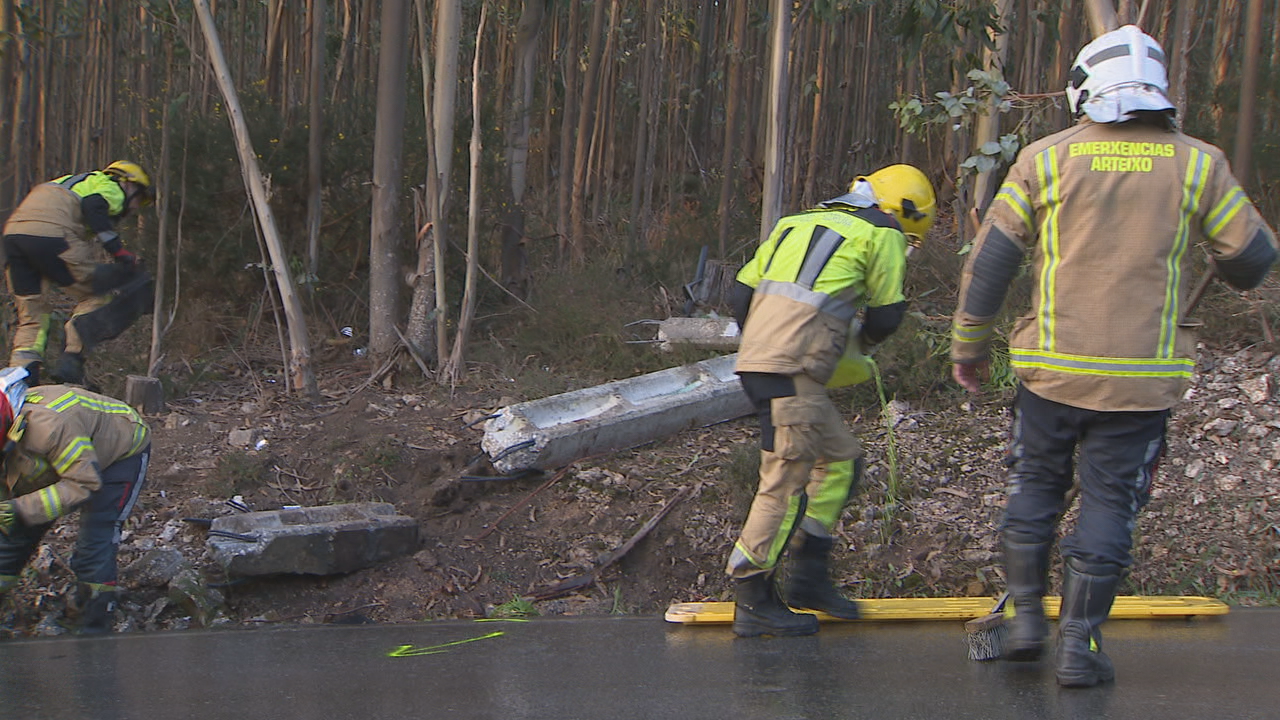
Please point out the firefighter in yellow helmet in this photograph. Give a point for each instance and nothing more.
(1108, 212)
(68, 449)
(796, 301)
(57, 236)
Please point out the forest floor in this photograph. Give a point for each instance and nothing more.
(925, 524)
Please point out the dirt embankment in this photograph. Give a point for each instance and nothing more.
(926, 523)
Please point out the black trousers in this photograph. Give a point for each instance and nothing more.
(1118, 453)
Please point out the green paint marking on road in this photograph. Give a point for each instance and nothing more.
(412, 651)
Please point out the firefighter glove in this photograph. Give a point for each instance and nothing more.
(124, 257)
(8, 517)
(110, 241)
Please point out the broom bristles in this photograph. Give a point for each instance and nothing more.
(986, 636)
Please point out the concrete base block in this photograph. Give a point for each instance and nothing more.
(312, 541)
(554, 431)
(703, 333)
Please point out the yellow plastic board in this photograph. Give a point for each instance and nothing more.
(1126, 607)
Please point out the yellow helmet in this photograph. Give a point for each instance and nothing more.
(129, 171)
(905, 192)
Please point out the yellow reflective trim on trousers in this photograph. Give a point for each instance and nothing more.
(1018, 201)
(1193, 186)
(71, 454)
(1047, 171)
(1102, 366)
(1225, 211)
(51, 501)
(784, 532)
(833, 494)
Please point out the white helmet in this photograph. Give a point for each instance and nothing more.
(1118, 73)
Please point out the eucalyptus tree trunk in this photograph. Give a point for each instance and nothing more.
(1102, 16)
(569, 46)
(987, 127)
(456, 367)
(734, 54)
(1182, 39)
(645, 122)
(163, 184)
(586, 124)
(1248, 88)
(428, 294)
(514, 270)
(388, 147)
(819, 143)
(1226, 30)
(776, 118)
(315, 138)
(300, 345)
(9, 78)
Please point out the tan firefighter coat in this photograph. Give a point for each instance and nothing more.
(1109, 217)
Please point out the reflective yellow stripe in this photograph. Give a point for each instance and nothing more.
(71, 454)
(784, 531)
(139, 436)
(1112, 367)
(1226, 210)
(63, 402)
(1047, 171)
(1018, 201)
(1193, 186)
(972, 333)
(51, 501)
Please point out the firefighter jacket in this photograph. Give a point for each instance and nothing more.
(809, 279)
(60, 439)
(66, 206)
(1108, 216)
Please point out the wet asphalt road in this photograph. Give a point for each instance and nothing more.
(623, 668)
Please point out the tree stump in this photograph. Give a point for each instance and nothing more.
(144, 393)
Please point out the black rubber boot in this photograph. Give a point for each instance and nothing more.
(97, 609)
(1086, 602)
(810, 586)
(759, 610)
(1027, 565)
(70, 369)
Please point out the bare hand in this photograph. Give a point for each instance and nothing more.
(970, 376)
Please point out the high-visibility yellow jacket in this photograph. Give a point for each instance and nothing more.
(66, 206)
(60, 439)
(809, 279)
(1109, 215)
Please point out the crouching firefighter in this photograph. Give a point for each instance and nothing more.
(57, 236)
(796, 301)
(68, 449)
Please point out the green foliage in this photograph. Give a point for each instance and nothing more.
(946, 21)
(961, 110)
(516, 607)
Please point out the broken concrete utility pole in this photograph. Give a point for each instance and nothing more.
(554, 431)
(701, 333)
(325, 540)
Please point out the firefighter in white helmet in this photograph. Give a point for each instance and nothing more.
(1108, 212)
(57, 236)
(796, 301)
(68, 449)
